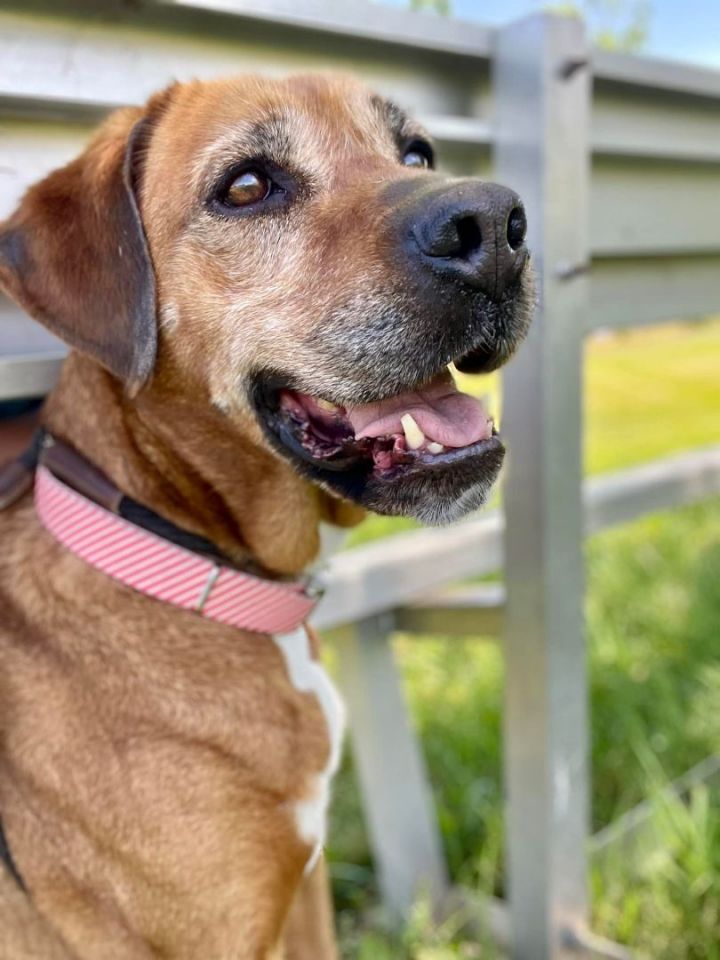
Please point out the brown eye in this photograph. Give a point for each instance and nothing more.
(417, 156)
(248, 188)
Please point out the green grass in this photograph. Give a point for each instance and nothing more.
(653, 611)
(651, 393)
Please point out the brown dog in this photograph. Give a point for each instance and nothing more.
(260, 280)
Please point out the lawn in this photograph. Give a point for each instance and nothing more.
(653, 610)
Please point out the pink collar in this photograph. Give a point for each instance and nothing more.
(154, 566)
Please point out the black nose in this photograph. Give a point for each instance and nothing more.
(473, 232)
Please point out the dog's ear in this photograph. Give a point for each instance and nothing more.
(75, 257)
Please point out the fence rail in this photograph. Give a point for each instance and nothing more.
(618, 159)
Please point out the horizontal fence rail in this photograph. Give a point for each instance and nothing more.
(389, 574)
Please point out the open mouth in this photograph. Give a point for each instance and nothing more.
(428, 433)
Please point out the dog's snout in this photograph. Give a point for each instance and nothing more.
(474, 233)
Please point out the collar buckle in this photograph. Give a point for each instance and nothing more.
(207, 587)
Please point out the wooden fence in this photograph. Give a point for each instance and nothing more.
(618, 160)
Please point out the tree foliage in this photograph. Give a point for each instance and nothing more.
(437, 6)
(613, 24)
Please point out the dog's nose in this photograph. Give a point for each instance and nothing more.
(474, 233)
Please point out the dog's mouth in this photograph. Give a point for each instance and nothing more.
(386, 453)
(429, 425)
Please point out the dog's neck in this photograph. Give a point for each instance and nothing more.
(184, 460)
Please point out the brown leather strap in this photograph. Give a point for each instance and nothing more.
(16, 477)
(72, 468)
(15, 480)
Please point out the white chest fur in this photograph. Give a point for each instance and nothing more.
(309, 676)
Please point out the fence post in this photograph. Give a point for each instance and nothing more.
(542, 101)
(396, 793)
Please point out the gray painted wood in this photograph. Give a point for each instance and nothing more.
(398, 800)
(544, 100)
(671, 482)
(636, 123)
(639, 291)
(475, 611)
(387, 574)
(655, 75)
(66, 66)
(649, 209)
(360, 19)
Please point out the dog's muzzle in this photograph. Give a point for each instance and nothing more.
(389, 428)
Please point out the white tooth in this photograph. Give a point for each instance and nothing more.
(414, 437)
(434, 447)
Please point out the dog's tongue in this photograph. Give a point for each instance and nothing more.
(443, 414)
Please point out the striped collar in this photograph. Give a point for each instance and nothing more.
(151, 564)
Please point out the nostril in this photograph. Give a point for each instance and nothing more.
(516, 228)
(469, 237)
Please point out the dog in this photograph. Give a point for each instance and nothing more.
(262, 283)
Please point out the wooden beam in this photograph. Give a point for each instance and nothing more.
(475, 610)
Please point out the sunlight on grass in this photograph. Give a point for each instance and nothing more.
(649, 393)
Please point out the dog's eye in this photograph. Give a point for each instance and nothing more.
(418, 154)
(247, 188)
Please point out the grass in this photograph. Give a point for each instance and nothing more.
(653, 612)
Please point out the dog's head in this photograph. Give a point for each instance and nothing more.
(285, 251)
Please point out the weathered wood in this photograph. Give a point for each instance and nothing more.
(358, 20)
(489, 918)
(398, 800)
(655, 209)
(68, 65)
(636, 291)
(475, 611)
(655, 76)
(391, 572)
(543, 102)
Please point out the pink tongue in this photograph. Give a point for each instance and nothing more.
(439, 409)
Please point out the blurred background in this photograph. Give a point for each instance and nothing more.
(462, 697)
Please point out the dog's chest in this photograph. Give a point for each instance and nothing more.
(308, 675)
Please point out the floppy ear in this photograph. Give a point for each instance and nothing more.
(75, 257)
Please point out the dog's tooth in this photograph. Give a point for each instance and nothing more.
(435, 447)
(327, 405)
(414, 437)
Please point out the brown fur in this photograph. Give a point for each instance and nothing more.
(149, 759)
